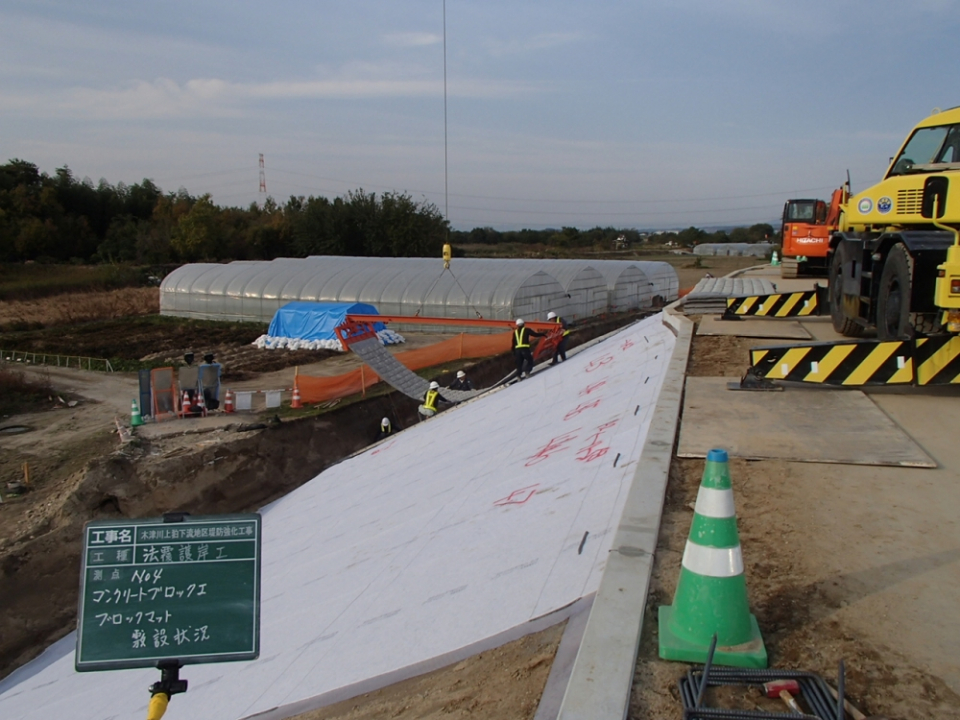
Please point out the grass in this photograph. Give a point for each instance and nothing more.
(77, 308)
(130, 338)
(32, 281)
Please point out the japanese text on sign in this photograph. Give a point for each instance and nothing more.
(152, 590)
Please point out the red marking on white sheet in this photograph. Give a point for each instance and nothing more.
(518, 497)
(384, 447)
(595, 448)
(598, 363)
(590, 388)
(555, 445)
(581, 407)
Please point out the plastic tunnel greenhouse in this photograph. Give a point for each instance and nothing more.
(734, 249)
(253, 291)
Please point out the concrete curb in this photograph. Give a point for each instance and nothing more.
(602, 676)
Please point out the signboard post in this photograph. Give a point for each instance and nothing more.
(164, 592)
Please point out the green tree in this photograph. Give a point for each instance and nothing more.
(691, 236)
(198, 233)
(120, 245)
(760, 232)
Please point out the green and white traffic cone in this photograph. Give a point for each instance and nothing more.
(711, 594)
(774, 259)
(136, 420)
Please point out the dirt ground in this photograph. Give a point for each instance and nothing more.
(506, 682)
(805, 609)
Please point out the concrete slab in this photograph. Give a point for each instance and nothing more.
(822, 329)
(725, 287)
(802, 425)
(753, 328)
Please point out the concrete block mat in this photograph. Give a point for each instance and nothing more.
(798, 424)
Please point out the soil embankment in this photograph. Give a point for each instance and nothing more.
(233, 469)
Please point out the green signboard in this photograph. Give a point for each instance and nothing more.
(152, 590)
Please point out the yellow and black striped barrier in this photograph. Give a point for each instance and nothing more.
(853, 363)
(780, 305)
(938, 360)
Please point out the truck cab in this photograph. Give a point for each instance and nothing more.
(805, 238)
(893, 239)
(919, 176)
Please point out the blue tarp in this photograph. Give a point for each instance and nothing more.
(315, 321)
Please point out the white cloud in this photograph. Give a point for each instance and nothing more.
(412, 39)
(213, 97)
(534, 43)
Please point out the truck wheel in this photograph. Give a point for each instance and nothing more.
(841, 323)
(893, 300)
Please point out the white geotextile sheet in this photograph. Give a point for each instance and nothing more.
(451, 532)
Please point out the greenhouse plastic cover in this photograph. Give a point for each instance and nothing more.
(474, 523)
(501, 288)
(734, 249)
(316, 321)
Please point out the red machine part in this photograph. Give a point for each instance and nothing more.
(360, 327)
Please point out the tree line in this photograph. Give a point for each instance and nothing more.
(609, 238)
(60, 218)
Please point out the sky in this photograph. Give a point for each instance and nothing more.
(645, 114)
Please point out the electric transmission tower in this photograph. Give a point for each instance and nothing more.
(263, 182)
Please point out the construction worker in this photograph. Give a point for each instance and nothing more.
(521, 348)
(386, 429)
(462, 382)
(560, 352)
(430, 399)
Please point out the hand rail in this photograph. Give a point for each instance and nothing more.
(78, 361)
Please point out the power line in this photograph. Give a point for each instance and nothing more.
(245, 168)
(566, 201)
(780, 193)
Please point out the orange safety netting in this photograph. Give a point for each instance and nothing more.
(320, 389)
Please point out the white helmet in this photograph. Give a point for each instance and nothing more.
(385, 423)
(434, 385)
(519, 322)
(551, 315)
(461, 374)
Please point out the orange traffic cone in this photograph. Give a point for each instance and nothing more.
(228, 402)
(185, 404)
(201, 404)
(295, 400)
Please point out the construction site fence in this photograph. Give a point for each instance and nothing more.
(462, 347)
(74, 361)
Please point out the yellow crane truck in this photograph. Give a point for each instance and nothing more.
(894, 264)
(894, 260)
